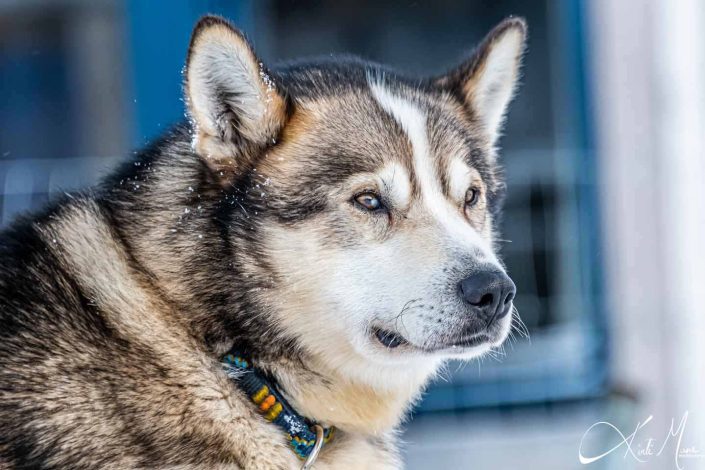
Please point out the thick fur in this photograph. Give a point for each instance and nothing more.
(241, 227)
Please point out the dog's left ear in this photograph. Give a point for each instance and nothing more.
(487, 80)
(233, 102)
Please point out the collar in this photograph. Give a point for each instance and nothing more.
(264, 393)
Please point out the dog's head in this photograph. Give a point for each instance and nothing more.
(373, 198)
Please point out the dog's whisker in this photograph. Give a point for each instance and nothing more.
(519, 326)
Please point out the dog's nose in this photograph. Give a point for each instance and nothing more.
(489, 294)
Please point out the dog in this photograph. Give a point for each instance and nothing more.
(328, 227)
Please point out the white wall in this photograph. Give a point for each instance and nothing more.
(648, 63)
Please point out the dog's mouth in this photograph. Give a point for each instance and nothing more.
(389, 339)
(392, 340)
(469, 341)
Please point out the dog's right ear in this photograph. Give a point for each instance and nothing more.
(235, 106)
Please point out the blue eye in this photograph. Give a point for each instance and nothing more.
(368, 201)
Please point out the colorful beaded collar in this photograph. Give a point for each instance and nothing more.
(305, 437)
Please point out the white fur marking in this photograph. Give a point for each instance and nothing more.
(219, 64)
(396, 182)
(460, 178)
(497, 81)
(413, 121)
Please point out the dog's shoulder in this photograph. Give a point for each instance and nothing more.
(34, 282)
(100, 373)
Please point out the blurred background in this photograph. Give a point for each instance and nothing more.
(605, 220)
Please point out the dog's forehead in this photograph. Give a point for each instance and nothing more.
(337, 133)
(352, 124)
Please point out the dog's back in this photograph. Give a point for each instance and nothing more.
(54, 345)
(92, 372)
(72, 380)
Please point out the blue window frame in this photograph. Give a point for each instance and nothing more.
(158, 39)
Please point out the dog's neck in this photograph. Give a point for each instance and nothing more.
(332, 397)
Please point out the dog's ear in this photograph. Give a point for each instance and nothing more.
(234, 104)
(487, 80)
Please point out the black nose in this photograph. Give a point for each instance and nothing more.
(489, 293)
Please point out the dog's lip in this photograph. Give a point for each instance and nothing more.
(466, 342)
(459, 345)
(393, 340)
(389, 339)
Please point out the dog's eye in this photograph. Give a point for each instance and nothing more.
(471, 197)
(368, 201)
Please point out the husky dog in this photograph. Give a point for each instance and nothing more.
(331, 219)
